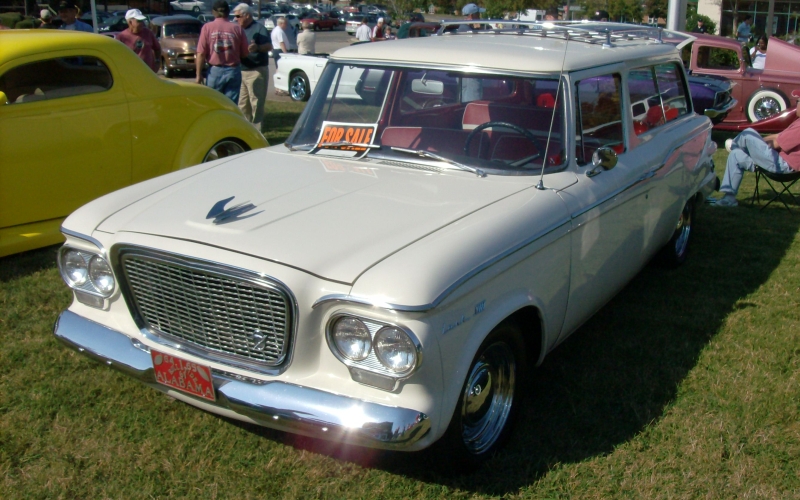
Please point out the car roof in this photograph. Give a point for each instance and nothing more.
(19, 43)
(505, 51)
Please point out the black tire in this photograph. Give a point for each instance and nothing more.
(765, 103)
(675, 251)
(299, 89)
(225, 148)
(482, 422)
(316, 28)
(168, 73)
(196, 10)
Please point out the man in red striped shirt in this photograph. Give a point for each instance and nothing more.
(223, 44)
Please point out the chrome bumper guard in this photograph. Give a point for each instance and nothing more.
(278, 405)
(713, 113)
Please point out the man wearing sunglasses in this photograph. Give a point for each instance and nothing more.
(255, 67)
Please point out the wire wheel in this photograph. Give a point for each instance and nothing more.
(488, 397)
(222, 149)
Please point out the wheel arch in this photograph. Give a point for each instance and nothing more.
(211, 128)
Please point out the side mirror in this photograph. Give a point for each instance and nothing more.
(604, 157)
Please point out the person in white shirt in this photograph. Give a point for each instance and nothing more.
(280, 42)
(758, 54)
(363, 33)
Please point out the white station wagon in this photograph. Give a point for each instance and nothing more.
(443, 215)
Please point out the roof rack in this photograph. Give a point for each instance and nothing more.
(580, 31)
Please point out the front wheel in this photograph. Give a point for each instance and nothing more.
(168, 73)
(299, 87)
(489, 401)
(765, 103)
(224, 148)
(674, 253)
(196, 10)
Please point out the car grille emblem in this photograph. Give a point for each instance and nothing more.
(222, 215)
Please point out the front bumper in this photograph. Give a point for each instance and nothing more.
(278, 405)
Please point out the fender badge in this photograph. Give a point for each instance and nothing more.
(222, 215)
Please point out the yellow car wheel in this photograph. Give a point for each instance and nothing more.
(224, 148)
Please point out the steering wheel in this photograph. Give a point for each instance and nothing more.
(521, 131)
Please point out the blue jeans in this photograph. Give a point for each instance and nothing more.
(227, 80)
(747, 151)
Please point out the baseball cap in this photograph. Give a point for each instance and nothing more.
(380, 19)
(222, 7)
(45, 14)
(135, 14)
(471, 8)
(66, 4)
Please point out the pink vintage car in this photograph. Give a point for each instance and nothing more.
(765, 95)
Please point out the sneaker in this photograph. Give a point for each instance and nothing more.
(728, 144)
(726, 201)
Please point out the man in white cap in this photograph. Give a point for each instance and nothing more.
(377, 32)
(471, 12)
(47, 20)
(140, 39)
(255, 67)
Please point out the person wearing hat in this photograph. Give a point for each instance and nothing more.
(140, 39)
(255, 67)
(68, 13)
(700, 28)
(47, 20)
(223, 44)
(377, 31)
(471, 12)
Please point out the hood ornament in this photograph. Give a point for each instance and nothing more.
(222, 215)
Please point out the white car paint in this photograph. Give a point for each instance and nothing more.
(290, 64)
(443, 253)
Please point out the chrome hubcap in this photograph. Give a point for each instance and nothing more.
(223, 149)
(488, 396)
(683, 229)
(766, 107)
(298, 88)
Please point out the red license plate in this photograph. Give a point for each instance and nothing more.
(183, 375)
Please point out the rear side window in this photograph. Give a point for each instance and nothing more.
(55, 79)
(658, 96)
(600, 116)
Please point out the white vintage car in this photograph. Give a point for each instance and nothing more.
(297, 74)
(425, 236)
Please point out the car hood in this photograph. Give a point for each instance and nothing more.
(183, 43)
(715, 82)
(328, 217)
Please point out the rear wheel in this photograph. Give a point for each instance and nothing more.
(224, 148)
(489, 401)
(168, 73)
(675, 252)
(299, 87)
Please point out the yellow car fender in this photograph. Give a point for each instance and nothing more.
(211, 128)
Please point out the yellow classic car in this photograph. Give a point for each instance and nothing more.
(81, 115)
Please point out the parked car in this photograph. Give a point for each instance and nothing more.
(297, 74)
(427, 234)
(291, 20)
(84, 117)
(321, 22)
(354, 21)
(761, 93)
(206, 18)
(178, 36)
(112, 24)
(196, 6)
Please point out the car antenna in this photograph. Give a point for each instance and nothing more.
(540, 184)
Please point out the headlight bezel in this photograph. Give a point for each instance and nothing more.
(372, 363)
(87, 286)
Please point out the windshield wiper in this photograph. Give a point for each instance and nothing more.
(310, 146)
(434, 156)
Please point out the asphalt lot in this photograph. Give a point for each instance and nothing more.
(327, 43)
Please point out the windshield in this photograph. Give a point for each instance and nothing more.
(499, 124)
(188, 29)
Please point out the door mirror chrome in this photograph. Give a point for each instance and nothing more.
(604, 157)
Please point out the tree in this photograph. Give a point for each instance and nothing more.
(691, 22)
(656, 9)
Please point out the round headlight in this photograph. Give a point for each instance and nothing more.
(352, 338)
(74, 267)
(395, 350)
(101, 275)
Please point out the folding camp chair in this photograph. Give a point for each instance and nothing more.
(785, 181)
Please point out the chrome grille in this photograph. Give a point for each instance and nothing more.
(722, 97)
(219, 310)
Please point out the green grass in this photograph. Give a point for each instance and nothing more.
(279, 120)
(683, 386)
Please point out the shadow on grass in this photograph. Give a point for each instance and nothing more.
(618, 372)
(26, 263)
